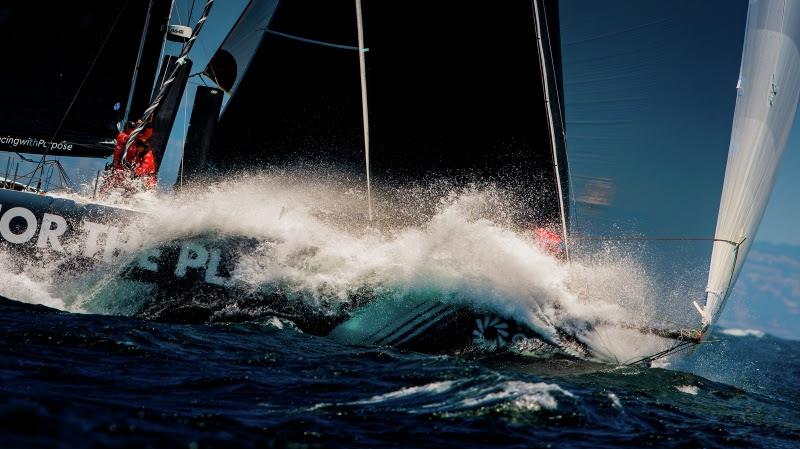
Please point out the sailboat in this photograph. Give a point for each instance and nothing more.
(470, 96)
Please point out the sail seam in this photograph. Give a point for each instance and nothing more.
(138, 62)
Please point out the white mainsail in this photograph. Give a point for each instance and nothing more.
(768, 89)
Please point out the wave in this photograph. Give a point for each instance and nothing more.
(459, 396)
(743, 332)
(310, 240)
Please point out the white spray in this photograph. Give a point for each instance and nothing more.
(313, 240)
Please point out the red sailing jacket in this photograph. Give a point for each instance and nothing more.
(122, 139)
(145, 167)
(119, 146)
(146, 134)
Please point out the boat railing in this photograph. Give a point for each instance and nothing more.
(39, 181)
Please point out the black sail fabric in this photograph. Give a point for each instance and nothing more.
(73, 61)
(650, 91)
(230, 62)
(455, 94)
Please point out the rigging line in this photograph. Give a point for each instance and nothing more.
(184, 98)
(208, 65)
(553, 70)
(52, 162)
(213, 76)
(548, 109)
(364, 110)
(83, 82)
(191, 9)
(32, 174)
(178, 16)
(138, 62)
(205, 50)
(183, 142)
(24, 158)
(306, 40)
(163, 50)
(661, 354)
(62, 172)
(200, 77)
(663, 239)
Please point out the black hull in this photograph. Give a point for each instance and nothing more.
(188, 281)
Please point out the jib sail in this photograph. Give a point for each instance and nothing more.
(650, 95)
(768, 90)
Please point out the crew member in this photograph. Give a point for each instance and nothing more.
(144, 164)
(144, 136)
(119, 144)
(115, 172)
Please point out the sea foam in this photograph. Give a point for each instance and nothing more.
(313, 240)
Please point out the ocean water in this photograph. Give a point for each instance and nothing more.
(86, 362)
(84, 381)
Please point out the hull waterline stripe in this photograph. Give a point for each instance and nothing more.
(409, 324)
(384, 331)
(447, 313)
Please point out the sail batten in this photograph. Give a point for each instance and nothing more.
(768, 90)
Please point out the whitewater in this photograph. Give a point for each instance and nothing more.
(310, 240)
(86, 375)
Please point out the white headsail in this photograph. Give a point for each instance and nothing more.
(768, 89)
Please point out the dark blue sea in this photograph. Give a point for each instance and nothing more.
(91, 381)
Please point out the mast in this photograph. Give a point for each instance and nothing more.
(551, 125)
(364, 110)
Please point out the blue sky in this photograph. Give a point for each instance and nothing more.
(782, 220)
